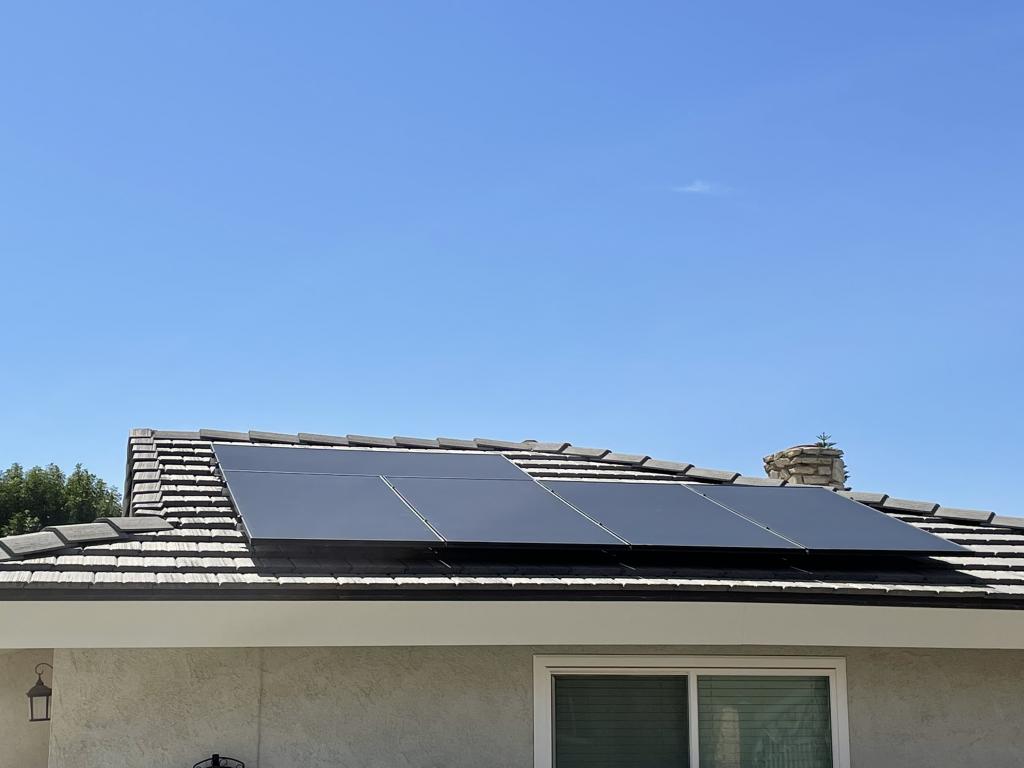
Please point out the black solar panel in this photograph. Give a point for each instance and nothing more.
(297, 507)
(298, 494)
(331, 461)
(664, 514)
(819, 519)
(499, 512)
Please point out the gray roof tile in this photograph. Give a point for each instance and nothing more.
(32, 543)
(315, 439)
(271, 437)
(371, 441)
(137, 524)
(675, 467)
(142, 579)
(760, 481)
(415, 442)
(44, 578)
(75, 578)
(223, 436)
(587, 453)
(908, 505)
(967, 515)
(452, 442)
(1008, 522)
(84, 533)
(106, 579)
(170, 434)
(546, 447)
(14, 578)
(634, 459)
(308, 581)
(717, 475)
(501, 445)
(865, 497)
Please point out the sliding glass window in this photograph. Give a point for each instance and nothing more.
(632, 717)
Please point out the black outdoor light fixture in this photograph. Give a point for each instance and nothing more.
(39, 696)
(219, 762)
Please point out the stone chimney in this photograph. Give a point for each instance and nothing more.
(808, 465)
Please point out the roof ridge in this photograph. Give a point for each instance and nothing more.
(70, 536)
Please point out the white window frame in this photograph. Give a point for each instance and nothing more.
(546, 667)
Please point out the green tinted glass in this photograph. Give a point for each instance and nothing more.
(764, 722)
(621, 721)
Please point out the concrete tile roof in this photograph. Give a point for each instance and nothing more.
(180, 536)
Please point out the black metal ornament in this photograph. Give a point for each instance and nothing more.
(216, 761)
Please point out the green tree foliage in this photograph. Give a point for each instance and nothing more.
(824, 440)
(41, 496)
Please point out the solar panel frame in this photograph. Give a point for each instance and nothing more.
(665, 515)
(823, 521)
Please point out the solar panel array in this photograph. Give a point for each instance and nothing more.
(438, 499)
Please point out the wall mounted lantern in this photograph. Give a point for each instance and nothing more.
(39, 696)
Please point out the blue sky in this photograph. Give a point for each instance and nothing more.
(699, 231)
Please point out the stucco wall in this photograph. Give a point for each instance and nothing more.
(470, 707)
(22, 744)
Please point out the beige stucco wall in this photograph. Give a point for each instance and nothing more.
(470, 707)
(22, 744)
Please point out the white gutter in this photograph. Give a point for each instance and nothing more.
(177, 624)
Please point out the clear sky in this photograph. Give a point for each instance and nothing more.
(699, 231)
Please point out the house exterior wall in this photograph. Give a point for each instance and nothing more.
(22, 743)
(455, 707)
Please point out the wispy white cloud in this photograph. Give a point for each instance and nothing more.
(701, 187)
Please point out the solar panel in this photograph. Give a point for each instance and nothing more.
(819, 519)
(333, 461)
(349, 496)
(499, 512)
(299, 507)
(664, 514)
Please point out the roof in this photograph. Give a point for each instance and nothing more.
(179, 540)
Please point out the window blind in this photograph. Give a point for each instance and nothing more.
(764, 722)
(621, 721)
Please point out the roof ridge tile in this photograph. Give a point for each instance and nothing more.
(586, 453)
(257, 436)
(314, 439)
(909, 505)
(453, 442)
(224, 436)
(32, 543)
(633, 459)
(542, 447)
(85, 533)
(486, 442)
(416, 442)
(372, 441)
(717, 475)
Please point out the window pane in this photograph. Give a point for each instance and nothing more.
(621, 721)
(764, 722)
